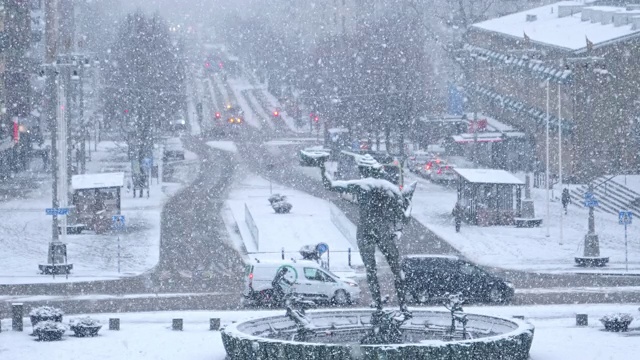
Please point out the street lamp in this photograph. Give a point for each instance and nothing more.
(560, 160)
(546, 83)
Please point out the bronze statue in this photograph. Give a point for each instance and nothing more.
(383, 210)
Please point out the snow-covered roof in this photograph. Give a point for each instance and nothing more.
(488, 176)
(485, 136)
(567, 24)
(94, 181)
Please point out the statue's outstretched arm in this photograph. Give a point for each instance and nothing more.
(337, 186)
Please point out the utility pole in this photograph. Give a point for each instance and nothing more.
(51, 33)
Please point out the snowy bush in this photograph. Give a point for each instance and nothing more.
(85, 326)
(616, 322)
(49, 330)
(276, 198)
(50, 326)
(281, 207)
(85, 321)
(46, 311)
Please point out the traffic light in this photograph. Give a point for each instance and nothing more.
(276, 113)
(316, 119)
(218, 115)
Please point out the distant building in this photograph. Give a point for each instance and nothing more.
(589, 54)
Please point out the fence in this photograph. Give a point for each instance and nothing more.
(324, 260)
(253, 229)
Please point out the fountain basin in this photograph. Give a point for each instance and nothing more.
(338, 332)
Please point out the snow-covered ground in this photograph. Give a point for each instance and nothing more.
(526, 248)
(149, 335)
(310, 222)
(26, 230)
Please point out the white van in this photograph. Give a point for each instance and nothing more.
(310, 282)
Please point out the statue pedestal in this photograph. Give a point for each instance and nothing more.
(528, 210)
(528, 217)
(591, 256)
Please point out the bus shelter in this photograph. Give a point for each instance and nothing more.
(489, 196)
(96, 198)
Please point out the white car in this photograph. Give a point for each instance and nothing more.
(310, 282)
(173, 150)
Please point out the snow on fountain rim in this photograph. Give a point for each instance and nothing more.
(522, 328)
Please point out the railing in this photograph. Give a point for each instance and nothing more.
(253, 229)
(326, 264)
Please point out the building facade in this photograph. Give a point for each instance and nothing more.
(575, 62)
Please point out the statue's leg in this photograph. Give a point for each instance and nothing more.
(389, 249)
(367, 247)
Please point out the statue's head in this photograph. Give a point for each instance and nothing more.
(369, 167)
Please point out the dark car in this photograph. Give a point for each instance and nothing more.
(432, 277)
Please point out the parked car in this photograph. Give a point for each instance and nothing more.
(173, 150)
(416, 161)
(311, 282)
(429, 166)
(443, 173)
(432, 277)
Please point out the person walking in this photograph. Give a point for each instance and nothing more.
(457, 215)
(566, 199)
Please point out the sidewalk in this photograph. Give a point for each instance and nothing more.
(26, 230)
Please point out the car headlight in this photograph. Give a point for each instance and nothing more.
(352, 284)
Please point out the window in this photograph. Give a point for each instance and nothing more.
(325, 277)
(312, 274)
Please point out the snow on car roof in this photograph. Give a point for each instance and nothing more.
(488, 176)
(95, 181)
(429, 256)
(282, 262)
(565, 24)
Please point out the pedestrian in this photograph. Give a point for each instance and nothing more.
(457, 215)
(566, 199)
(281, 285)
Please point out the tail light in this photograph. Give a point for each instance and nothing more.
(250, 279)
(440, 171)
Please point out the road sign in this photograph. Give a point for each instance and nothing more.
(58, 211)
(590, 200)
(147, 162)
(322, 248)
(625, 217)
(118, 222)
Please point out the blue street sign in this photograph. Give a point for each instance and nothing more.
(625, 217)
(118, 222)
(59, 211)
(590, 200)
(593, 203)
(322, 248)
(147, 162)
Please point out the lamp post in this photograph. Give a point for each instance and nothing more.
(560, 160)
(547, 163)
